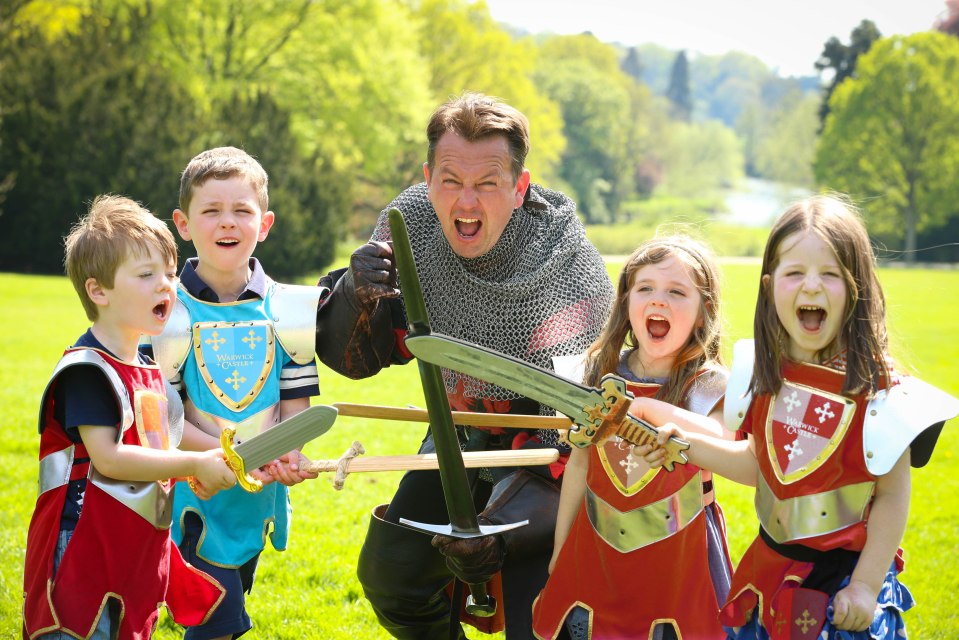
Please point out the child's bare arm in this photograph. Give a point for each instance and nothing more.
(196, 439)
(570, 499)
(708, 447)
(142, 464)
(855, 604)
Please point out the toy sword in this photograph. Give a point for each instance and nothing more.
(456, 491)
(350, 463)
(598, 414)
(281, 438)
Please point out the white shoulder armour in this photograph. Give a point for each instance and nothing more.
(570, 367)
(737, 390)
(294, 319)
(910, 414)
(171, 348)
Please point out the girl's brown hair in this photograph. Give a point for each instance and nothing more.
(703, 345)
(863, 331)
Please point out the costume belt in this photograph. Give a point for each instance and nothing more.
(811, 515)
(631, 530)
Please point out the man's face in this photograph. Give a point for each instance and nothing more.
(473, 191)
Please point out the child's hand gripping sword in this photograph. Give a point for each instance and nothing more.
(282, 438)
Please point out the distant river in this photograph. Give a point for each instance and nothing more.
(756, 202)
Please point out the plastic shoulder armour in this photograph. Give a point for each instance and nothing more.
(171, 348)
(294, 317)
(706, 391)
(910, 414)
(570, 367)
(738, 396)
(293, 309)
(92, 357)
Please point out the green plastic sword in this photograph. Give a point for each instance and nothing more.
(456, 491)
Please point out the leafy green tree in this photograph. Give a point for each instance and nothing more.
(892, 137)
(466, 50)
(678, 92)
(74, 126)
(602, 121)
(839, 60)
(632, 65)
(350, 73)
(309, 197)
(698, 157)
(786, 148)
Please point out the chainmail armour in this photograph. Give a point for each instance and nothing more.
(541, 291)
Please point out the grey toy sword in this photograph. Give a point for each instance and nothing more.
(456, 491)
(282, 438)
(597, 414)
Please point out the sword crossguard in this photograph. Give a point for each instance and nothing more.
(611, 417)
(235, 462)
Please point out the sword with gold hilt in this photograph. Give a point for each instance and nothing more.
(456, 490)
(283, 437)
(598, 414)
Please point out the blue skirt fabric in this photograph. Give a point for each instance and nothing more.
(894, 599)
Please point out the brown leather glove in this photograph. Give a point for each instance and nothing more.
(472, 560)
(354, 333)
(372, 274)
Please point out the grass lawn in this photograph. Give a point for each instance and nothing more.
(311, 589)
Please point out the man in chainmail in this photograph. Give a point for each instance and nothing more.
(502, 263)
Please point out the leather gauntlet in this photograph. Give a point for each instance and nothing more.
(354, 331)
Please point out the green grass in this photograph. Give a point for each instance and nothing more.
(311, 589)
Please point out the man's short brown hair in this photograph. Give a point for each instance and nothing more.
(112, 229)
(473, 117)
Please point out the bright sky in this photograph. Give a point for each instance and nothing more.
(785, 35)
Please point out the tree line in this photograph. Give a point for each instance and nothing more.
(117, 95)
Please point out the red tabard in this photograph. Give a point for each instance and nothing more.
(824, 458)
(628, 594)
(114, 552)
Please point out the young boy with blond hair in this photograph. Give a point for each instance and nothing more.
(99, 556)
(240, 348)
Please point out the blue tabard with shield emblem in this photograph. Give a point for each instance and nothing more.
(232, 374)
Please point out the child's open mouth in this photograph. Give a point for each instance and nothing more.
(657, 326)
(227, 243)
(161, 310)
(467, 227)
(811, 318)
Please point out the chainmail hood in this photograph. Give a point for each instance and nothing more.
(541, 291)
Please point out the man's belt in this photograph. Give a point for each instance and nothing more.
(627, 531)
(811, 515)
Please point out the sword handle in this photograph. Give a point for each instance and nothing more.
(235, 462)
(612, 417)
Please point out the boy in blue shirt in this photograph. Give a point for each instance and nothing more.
(239, 348)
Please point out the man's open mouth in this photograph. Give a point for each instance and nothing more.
(467, 227)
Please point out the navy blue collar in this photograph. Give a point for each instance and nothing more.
(196, 287)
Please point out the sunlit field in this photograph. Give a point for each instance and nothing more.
(311, 589)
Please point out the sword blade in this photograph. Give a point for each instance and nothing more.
(456, 489)
(514, 374)
(286, 436)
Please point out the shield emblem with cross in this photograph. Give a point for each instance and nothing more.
(805, 426)
(235, 359)
(627, 472)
